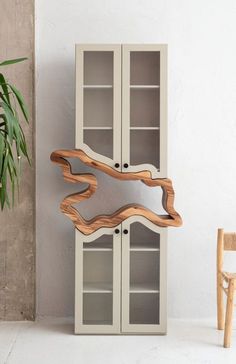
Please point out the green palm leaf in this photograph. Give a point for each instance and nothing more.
(13, 144)
(5, 92)
(11, 61)
(21, 102)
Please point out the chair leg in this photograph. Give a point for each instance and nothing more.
(229, 314)
(220, 303)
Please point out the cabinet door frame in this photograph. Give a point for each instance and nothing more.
(126, 327)
(126, 49)
(81, 328)
(79, 138)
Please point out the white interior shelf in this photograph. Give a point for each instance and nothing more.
(98, 249)
(97, 86)
(144, 247)
(144, 128)
(97, 128)
(143, 288)
(144, 86)
(97, 287)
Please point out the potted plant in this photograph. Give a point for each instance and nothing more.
(12, 139)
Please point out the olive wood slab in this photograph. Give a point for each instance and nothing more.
(87, 227)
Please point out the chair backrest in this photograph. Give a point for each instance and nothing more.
(225, 241)
(229, 241)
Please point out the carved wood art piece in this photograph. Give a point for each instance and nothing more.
(87, 227)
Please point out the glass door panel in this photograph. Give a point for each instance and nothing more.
(97, 309)
(144, 309)
(145, 68)
(98, 108)
(98, 284)
(143, 239)
(98, 102)
(144, 275)
(141, 279)
(145, 147)
(100, 141)
(98, 68)
(98, 281)
(144, 109)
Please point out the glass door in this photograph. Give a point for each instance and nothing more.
(144, 109)
(143, 279)
(97, 304)
(98, 102)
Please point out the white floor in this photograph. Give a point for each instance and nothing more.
(51, 341)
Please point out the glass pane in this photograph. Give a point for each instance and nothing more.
(103, 242)
(97, 309)
(144, 271)
(144, 107)
(100, 141)
(145, 147)
(98, 68)
(144, 275)
(143, 238)
(145, 68)
(144, 308)
(98, 281)
(98, 102)
(98, 107)
(97, 270)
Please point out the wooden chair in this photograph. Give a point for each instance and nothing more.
(225, 241)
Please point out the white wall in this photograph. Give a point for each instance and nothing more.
(201, 36)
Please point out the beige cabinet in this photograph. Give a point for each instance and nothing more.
(121, 120)
(121, 105)
(121, 280)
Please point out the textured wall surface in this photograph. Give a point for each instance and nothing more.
(17, 243)
(201, 36)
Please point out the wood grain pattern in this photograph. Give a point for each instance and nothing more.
(220, 280)
(172, 218)
(229, 313)
(229, 241)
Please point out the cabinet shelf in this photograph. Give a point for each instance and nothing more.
(142, 87)
(144, 128)
(98, 249)
(131, 128)
(143, 248)
(97, 287)
(143, 288)
(97, 128)
(97, 86)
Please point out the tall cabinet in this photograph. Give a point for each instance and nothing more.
(121, 121)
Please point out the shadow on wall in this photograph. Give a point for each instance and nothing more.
(55, 128)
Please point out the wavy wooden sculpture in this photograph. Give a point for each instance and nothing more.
(108, 221)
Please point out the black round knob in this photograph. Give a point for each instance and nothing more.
(117, 165)
(126, 165)
(125, 231)
(117, 231)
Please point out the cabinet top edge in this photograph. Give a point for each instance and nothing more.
(121, 44)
